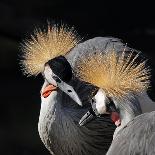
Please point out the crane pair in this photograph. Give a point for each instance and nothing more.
(101, 71)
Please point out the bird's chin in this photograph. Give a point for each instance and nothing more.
(48, 90)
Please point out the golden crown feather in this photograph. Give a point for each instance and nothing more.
(118, 74)
(47, 44)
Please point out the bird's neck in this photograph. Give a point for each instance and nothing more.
(59, 129)
(143, 99)
(58, 124)
(128, 110)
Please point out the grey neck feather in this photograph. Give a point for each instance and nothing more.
(59, 129)
(128, 109)
(96, 136)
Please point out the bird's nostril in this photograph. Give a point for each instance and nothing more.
(69, 91)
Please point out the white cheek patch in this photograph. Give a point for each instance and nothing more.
(48, 75)
(101, 100)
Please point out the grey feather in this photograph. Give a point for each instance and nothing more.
(61, 133)
(136, 138)
(58, 123)
(94, 45)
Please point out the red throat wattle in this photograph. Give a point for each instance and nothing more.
(115, 118)
(48, 90)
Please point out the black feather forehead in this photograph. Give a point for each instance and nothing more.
(61, 67)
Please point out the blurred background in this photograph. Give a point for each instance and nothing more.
(132, 22)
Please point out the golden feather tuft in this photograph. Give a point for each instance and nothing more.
(117, 75)
(45, 45)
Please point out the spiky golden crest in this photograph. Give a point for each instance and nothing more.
(117, 75)
(45, 45)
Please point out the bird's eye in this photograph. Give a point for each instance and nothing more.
(43, 75)
(56, 79)
(110, 101)
(92, 100)
(69, 91)
(110, 106)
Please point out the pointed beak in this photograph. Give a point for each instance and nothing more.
(75, 97)
(70, 92)
(88, 117)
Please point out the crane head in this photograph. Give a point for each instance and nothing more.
(58, 73)
(101, 105)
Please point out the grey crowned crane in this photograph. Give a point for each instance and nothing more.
(120, 79)
(52, 53)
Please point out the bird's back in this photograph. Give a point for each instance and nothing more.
(137, 138)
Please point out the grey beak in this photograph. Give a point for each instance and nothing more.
(88, 117)
(70, 92)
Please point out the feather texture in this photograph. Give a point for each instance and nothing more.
(117, 73)
(137, 137)
(45, 45)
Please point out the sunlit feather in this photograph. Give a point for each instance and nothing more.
(45, 45)
(117, 73)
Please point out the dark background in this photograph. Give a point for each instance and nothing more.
(134, 22)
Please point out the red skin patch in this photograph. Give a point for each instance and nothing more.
(115, 118)
(48, 90)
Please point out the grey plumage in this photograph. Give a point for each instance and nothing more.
(136, 138)
(60, 132)
(59, 116)
(97, 44)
